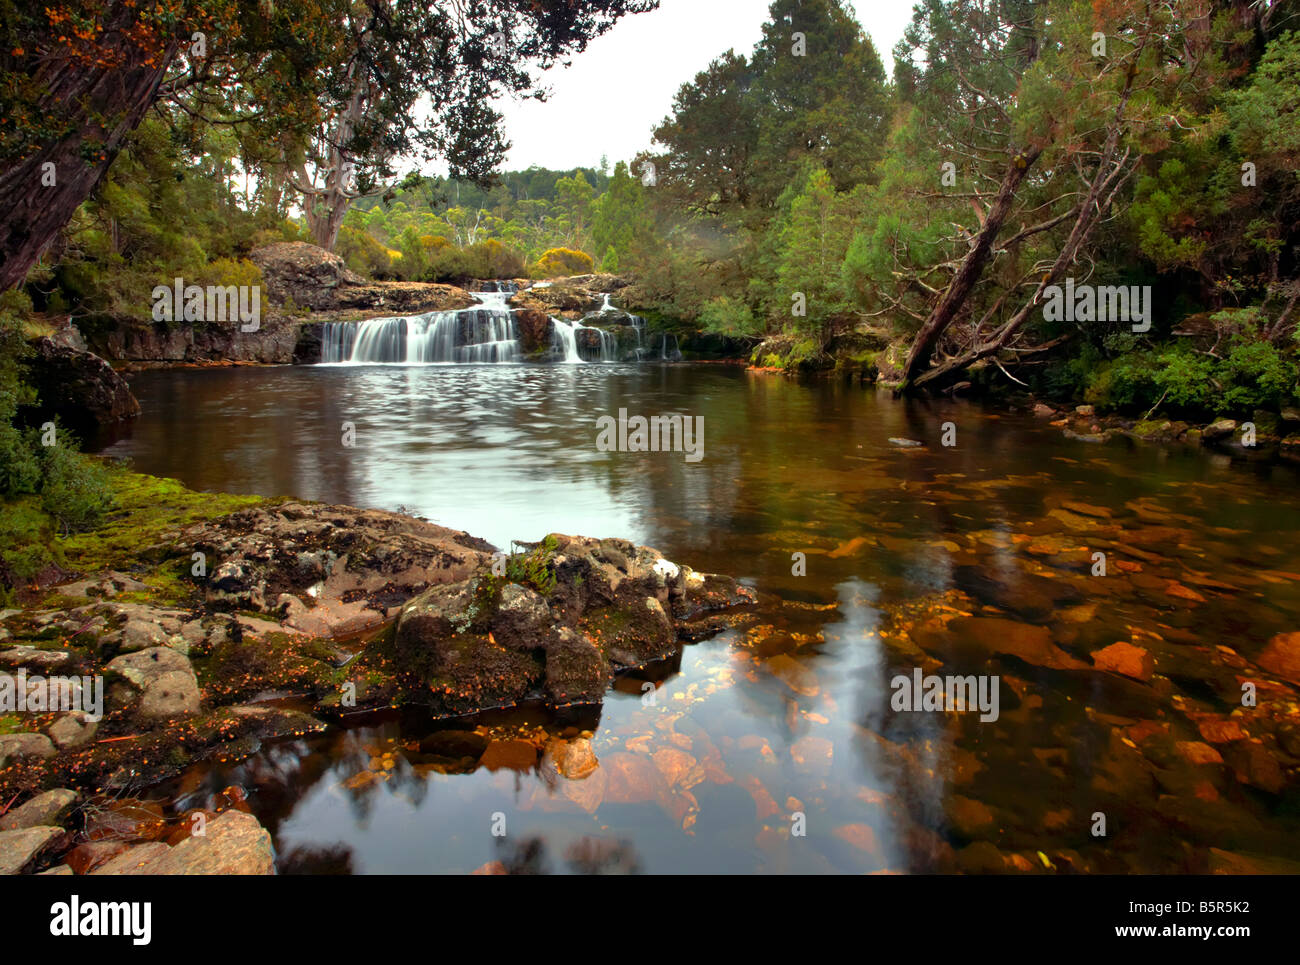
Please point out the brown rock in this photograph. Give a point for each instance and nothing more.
(1124, 658)
(1282, 656)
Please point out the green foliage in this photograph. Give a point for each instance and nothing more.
(535, 568)
(728, 316)
(363, 254)
(74, 488)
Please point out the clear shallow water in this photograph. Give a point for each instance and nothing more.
(792, 714)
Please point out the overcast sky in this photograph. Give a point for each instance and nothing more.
(622, 85)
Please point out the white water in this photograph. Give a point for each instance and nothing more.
(482, 333)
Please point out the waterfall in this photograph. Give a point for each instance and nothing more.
(485, 332)
(564, 339)
(566, 336)
(675, 355)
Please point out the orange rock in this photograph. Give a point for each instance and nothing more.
(632, 778)
(491, 868)
(1124, 658)
(1198, 752)
(861, 836)
(1183, 592)
(794, 675)
(1221, 731)
(1282, 656)
(515, 755)
(764, 803)
(678, 767)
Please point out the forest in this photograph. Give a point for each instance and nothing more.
(995, 333)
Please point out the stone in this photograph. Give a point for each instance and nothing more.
(34, 658)
(19, 848)
(1218, 430)
(574, 759)
(47, 808)
(89, 855)
(134, 859)
(515, 755)
(72, 730)
(25, 745)
(1124, 658)
(1029, 643)
(233, 844)
(79, 389)
(171, 695)
(143, 667)
(1282, 656)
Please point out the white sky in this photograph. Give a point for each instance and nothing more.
(619, 88)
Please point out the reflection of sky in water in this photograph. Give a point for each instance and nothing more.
(508, 452)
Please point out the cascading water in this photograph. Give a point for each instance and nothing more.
(566, 336)
(483, 333)
(666, 355)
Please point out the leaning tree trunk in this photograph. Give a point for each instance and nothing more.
(972, 268)
(97, 108)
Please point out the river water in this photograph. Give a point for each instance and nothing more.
(774, 747)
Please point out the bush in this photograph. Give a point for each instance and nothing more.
(363, 254)
(729, 316)
(562, 262)
(74, 488)
(1255, 375)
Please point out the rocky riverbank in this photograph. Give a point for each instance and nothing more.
(213, 624)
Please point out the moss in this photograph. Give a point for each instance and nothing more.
(150, 508)
(11, 724)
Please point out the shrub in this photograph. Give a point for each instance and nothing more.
(728, 316)
(561, 262)
(363, 254)
(74, 488)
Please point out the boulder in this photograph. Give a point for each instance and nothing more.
(48, 808)
(1282, 656)
(20, 848)
(351, 567)
(1218, 430)
(24, 745)
(314, 278)
(601, 605)
(304, 273)
(79, 389)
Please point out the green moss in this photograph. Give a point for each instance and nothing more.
(149, 508)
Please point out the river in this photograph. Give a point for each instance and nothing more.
(774, 747)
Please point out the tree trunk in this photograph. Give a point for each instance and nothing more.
(959, 289)
(102, 107)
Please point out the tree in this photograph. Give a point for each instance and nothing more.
(336, 81)
(622, 223)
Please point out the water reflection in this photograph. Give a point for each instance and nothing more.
(773, 747)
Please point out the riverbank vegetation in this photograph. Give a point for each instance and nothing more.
(803, 200)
